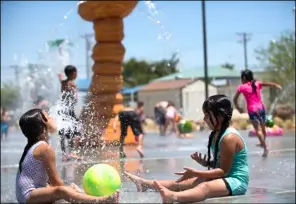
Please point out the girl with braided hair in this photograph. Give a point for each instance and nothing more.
(37, 179)
(228, 172)
(251, 88)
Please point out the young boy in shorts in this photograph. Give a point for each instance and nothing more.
(130, 117)
(69, 98)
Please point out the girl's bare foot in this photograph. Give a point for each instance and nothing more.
(141, 186)
(115, 197)
(166, 195)
(265, 153)
(140, 151)
(75, 156)
(260, 145)
(76, 188)
(66, 157)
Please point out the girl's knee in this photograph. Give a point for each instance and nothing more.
(204, 187)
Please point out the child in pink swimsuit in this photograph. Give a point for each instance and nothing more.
(251, 89)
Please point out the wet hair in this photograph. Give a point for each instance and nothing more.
(140, 104)
(69, 69)
(248, 76)
(32, 124)
(220, 106)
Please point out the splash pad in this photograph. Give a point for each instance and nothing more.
(104, 100)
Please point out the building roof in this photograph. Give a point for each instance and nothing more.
(83, 85)
(167, 85)
(213, 72)
(131, 90)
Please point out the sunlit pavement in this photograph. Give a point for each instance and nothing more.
(272, 180)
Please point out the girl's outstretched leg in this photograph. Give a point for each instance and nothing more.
(261, 136)
(145, 184)
(214, 188)
(68, 193)
(263, 128)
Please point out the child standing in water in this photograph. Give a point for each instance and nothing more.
(228, 172)
(4, 123)
(251, 89)
(159, 115)
(171, 115)
(69, 98)
(37, 179)
(130, 117)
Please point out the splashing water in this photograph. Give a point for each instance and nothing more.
(153, 14)
(61, 113)
(41, 79)
(284, 93)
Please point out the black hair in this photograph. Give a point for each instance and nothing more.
(32, 124)
(248, 76)
(221, 106)
(170, 103)
(69, 69)
(140, 104)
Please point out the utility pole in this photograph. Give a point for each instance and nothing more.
(204, 29)
(88, 46)
(245, 37)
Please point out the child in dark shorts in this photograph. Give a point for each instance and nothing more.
(129, 117)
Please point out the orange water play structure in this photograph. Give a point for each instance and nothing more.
(108, 53)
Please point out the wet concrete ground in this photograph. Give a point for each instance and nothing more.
(272, 180)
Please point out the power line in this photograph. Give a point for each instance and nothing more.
(88, 46)
(245, 38)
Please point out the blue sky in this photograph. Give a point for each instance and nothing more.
(26, 26)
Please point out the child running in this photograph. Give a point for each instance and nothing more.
(69, 99)
(37, 179)
(228, 172)
(251, 89)
(130, 117)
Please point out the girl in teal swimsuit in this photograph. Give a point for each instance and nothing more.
(228, 172)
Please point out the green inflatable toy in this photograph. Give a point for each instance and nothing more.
(101, 180)
(269, 122)
(185, 126)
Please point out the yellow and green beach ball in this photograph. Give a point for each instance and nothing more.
(101, 180)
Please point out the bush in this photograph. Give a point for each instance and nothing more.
(9, 96)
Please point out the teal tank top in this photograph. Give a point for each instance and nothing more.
(240, 167)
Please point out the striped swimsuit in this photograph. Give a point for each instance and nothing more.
(32, 176)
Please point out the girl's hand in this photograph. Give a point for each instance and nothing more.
(202, 160)
(76, 188)
(187, 174)
(60, 76)
(278, 86)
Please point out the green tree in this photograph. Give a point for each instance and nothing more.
(227, 65)
(9, 95)
(137, 72)
(278, 61)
